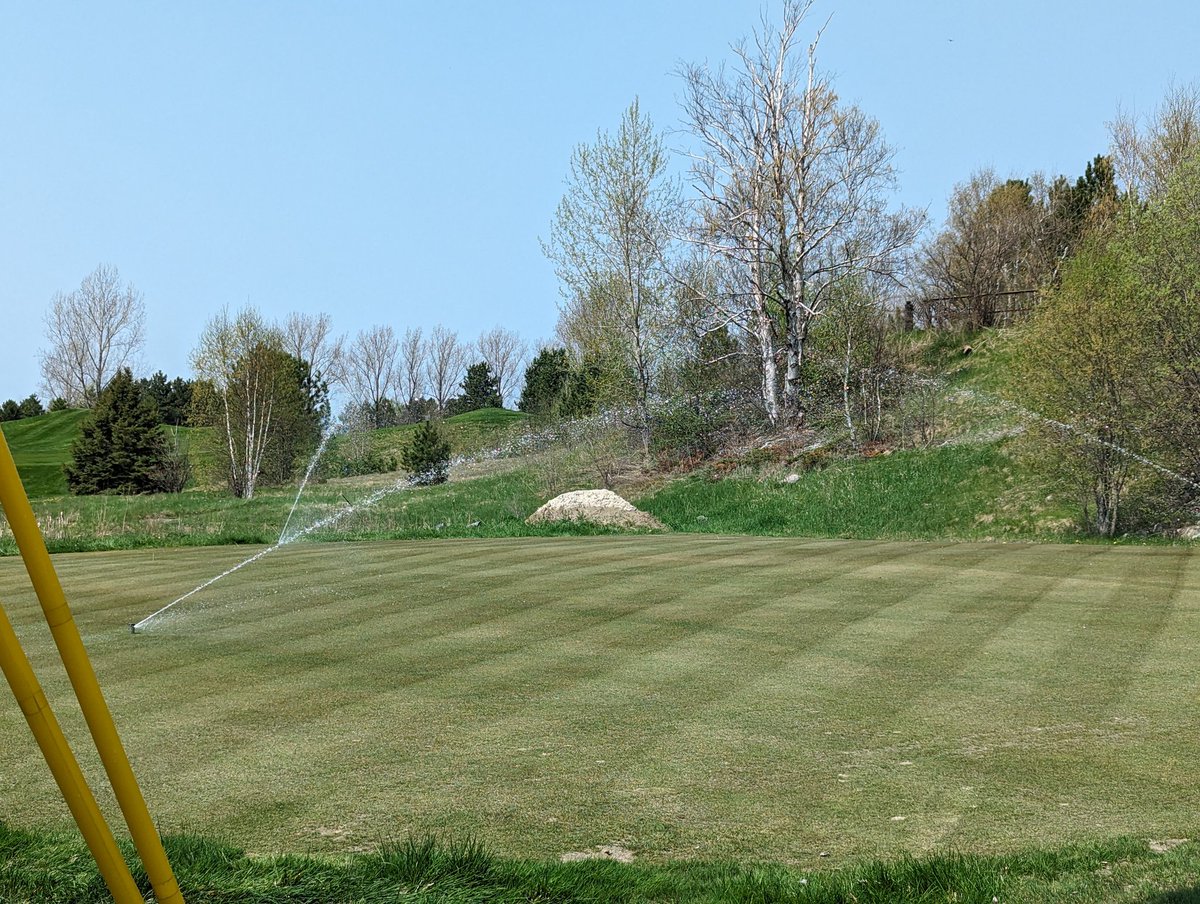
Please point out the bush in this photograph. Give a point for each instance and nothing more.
(427, 457)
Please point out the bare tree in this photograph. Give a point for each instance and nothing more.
(611, 242)
(413, 352)
(505, 353)
(309, 338)
(93, 332)
(794, 187)
(1147, 152)
(371, 368)
(993, 245)
(446, 359)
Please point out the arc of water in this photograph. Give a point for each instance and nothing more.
(525, 443)
(1086, 435)
(312, 464)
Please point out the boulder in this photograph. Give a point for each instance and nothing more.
(594, 506)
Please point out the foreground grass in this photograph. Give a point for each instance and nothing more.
(41, 866)
(692, 697)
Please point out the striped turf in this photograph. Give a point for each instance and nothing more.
(685, 696)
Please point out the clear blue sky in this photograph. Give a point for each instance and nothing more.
(396, 162)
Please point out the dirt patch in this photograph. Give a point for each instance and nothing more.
(594, 506)
(600, 852)
(1167, 844)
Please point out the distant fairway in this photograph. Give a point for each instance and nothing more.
(687, 696)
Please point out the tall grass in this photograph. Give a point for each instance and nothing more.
(47, 866)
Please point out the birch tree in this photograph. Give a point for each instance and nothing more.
(93, 332)
(372, 370)
(310, 338)
(794, 187)
(611, 243)
(413, 352)
(233, 359)
(445, 362)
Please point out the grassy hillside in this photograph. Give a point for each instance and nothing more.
(686, 696)
(467, 433)
(41, 446)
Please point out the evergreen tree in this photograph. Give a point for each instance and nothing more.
(32, 407)
(427, 457)
(480, 389)
(121, 448)
(59, 404)
(10, 411)
(545, 382)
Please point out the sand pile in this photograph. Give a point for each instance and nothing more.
(595, 506)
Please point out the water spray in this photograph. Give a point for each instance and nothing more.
(526, 443)
(1082, 434)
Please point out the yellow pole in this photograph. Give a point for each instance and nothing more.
(83, 679)
(63, 765)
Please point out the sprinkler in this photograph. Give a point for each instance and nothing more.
(133, 628)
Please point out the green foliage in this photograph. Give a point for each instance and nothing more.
(480, 389)
(545, 382)
(121, 448)
(58, 403)
(1114, 355)
(173, 398)
(427, 456)
(32, 407)
(10, 410)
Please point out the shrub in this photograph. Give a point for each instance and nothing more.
(427, 457)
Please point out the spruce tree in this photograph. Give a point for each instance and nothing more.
(480, 389)
(427, 457)
(121, 448)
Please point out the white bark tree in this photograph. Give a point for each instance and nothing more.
(233, 356)
(1147, 152)
(793, 184)
(611, 242)
(94, 331)
(372, 368)
(309, 338)
(505, 353)
(413, 354)
(445, 363)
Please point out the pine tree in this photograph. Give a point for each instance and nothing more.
(480, 389)
(32, 407)
(427, 457)
(545, 381)
(121, 448)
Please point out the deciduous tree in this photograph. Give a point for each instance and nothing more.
(93, 332)
(612, 243)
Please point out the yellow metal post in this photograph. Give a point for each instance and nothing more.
(83, 679)
(64, 767)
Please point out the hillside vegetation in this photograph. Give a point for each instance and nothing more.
(41, 446)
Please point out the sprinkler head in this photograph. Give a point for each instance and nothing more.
(133, 629)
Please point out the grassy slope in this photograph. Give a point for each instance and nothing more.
(41, 446)
(467, 433)
(687, 696)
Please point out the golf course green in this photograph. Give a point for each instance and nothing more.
(683, 696)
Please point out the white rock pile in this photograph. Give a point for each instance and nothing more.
(597, 507)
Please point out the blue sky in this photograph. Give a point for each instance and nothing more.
(397, 162)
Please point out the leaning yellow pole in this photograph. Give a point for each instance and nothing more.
(83, 679)
(64, 767)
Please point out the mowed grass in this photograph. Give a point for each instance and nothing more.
(41, 446)
(689, 697)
